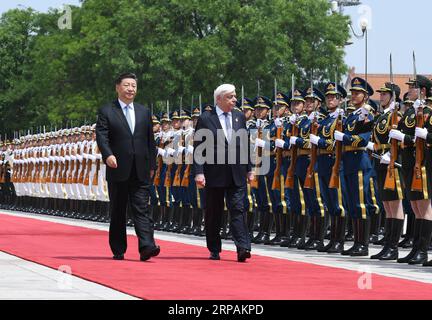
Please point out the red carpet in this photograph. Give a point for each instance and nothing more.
(183, 271)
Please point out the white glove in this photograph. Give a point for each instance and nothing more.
(293, 140)
(259, 143)
(170, 151)
(338, 135)
(363, 113)
(312, 116)
(421, 133)
(392, 106)
(180, 150)
(396, 134)
(279, 143)
(417, 104)
(278, 122)
(314, 139)
(370, 146)
(189, 149)
(161, 152)
(293, 119)
(385, 159)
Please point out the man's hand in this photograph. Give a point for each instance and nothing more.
(200, 180)
(111, 162)
(250, 176)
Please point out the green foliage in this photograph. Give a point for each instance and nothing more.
(178, 48)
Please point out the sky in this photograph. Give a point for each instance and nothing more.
(396, 26)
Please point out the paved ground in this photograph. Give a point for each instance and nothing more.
(20, 279)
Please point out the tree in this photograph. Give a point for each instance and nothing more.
(178, 48)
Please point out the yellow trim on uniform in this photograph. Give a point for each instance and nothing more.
(425, 186)
(398, 185)
(249, 195)
(361, 194)
(318, 194)
(302, 202)
(167, 199)
(340, 199)
(199, 198)
(284, 206)
(372, 188)
(268, 195)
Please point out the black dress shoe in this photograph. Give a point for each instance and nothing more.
(149, 252)
(243, 254)
(118, 257)
(214, 256)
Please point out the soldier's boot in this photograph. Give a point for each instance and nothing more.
(202, 233)
(187, 220)
(375, 221)
(250, 221)
(228, 228)
(421, 256)
(285, 227)
(355, 227)
(416, 235)
(295, 236)
(333, 235)
(196, 221)
(304, 222)
(350, 229)
(267, 225)
(180, 219)
(168, 218)
(317, 234)
(387, 243)
(157, 216)
(320, 233)
(396, 230)
(311, 232)
(408, 240)
(261, 227)
(384, 239)
(106, 211)
(176, 219)
(278, 226)
(338, 246)
(364, 238)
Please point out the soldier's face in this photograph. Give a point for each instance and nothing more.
(165, 126)
(357, 97)
(156, 127)
(297, 107)
(261, 113)
(127, 90)
(385, 98)
(412, 93)
(247, 113)
(332, 101)
(176, 124)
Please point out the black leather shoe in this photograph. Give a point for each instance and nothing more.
(118, 257)
(243, 254)
(214, 256)
(149, 252)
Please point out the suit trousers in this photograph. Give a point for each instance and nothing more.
(213, 216)
(136, 194)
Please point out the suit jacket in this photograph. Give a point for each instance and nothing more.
(114, 137)
(223, 174)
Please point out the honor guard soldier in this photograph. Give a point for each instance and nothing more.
(388, 176)
(415, 164)
(332, 192)
(262, 106)
(357, 129)
(154, 200)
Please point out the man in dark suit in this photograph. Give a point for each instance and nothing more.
(125, 138)
(224, 175)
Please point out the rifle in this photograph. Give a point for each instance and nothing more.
(66, 168)
(276, 185)
(84, 165)
(72, 167)
(177, 175)
(88, 169)
(335, 179)
(156, 180)
(186, 174)
(310, 173)
(254, 182)
(96, 174)
(390, 181)
(417, 182)
(289, 182)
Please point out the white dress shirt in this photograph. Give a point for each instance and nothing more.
(221, 116)
(131, 111)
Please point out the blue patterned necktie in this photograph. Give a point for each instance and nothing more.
(128, 118)
(228, 126)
